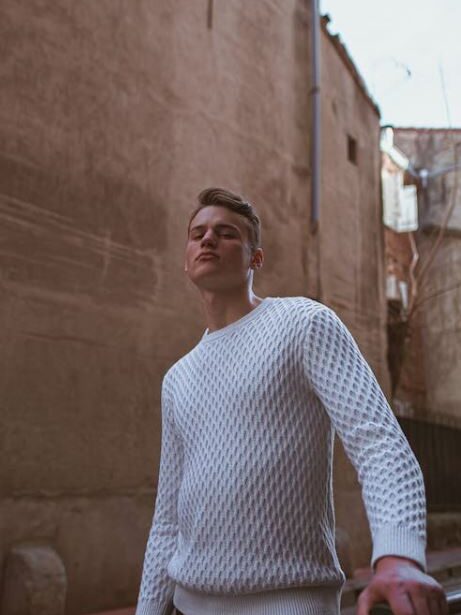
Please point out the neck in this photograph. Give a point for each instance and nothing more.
(223, 308)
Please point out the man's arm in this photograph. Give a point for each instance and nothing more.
(391, 479)
(156, 591)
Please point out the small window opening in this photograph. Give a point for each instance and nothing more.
(351, 149)
(210, 14)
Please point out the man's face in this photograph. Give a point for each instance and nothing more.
(218, 252)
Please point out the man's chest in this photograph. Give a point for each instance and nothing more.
(240, 388)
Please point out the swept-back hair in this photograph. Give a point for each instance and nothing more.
(234, 202)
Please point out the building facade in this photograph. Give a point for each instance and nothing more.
(427, 395)
(113, 118)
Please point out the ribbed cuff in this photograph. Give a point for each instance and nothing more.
(401, 542)
(149, 607)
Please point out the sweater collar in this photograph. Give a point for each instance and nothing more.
(209, 336)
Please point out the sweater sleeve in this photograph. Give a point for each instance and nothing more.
(390, 477)
(157, 588)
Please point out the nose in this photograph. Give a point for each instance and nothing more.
(209, 238)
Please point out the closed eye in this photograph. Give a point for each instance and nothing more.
(227, 235)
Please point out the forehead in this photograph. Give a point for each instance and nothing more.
(214, 214)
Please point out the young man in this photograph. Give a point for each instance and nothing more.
(243, 521)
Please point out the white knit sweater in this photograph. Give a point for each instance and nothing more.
(244, 500)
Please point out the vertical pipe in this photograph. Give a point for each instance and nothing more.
(315, 136)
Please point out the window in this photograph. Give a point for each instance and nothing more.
(351, 149)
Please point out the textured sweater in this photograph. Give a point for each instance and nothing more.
(244, 501)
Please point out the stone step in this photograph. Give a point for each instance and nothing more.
(443, 530)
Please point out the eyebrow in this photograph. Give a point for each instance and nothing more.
(218, 225)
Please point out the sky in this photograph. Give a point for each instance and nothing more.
(409, 54)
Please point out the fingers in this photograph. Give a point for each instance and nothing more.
(406, 594)
(437, 602)
(401, 604)
(421, 604)
(364, 602)
(435, 606)
(368, 598)
(429, 600)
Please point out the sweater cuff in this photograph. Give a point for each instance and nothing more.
(149, 607)
(401, 542)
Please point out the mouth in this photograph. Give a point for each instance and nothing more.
(207, 256)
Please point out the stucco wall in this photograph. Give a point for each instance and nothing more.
(113, 117)
(352, 248)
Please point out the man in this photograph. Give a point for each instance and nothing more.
(244, 520)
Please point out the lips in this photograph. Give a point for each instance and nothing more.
(207, 256)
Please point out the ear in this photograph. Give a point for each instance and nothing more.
(257, 259)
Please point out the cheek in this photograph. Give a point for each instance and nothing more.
(239, 254)
(190, 251)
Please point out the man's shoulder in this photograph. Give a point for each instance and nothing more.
(298, 301)
(172, 372)
(298, 316)
(298, 306)
(180, 367)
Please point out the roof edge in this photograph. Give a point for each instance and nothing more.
(343, 53)
(425, 129)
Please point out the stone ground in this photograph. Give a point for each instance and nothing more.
(444, 565)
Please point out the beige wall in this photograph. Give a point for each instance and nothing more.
(352, 247)
(113, 118)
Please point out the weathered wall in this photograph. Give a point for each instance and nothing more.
(351, 245)
(434, 150)
(113, 117)
(440, 292)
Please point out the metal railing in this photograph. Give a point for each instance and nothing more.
(438, 450)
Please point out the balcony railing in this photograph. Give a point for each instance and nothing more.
(438, 450)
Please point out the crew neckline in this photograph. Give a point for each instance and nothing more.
(208, 336)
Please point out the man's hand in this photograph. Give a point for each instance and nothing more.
(407, 590)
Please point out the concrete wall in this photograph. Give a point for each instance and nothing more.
(440, 291)
(113, 117)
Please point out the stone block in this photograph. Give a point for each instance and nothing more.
(34, 583)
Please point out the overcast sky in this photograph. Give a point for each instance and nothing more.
(405, 50)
